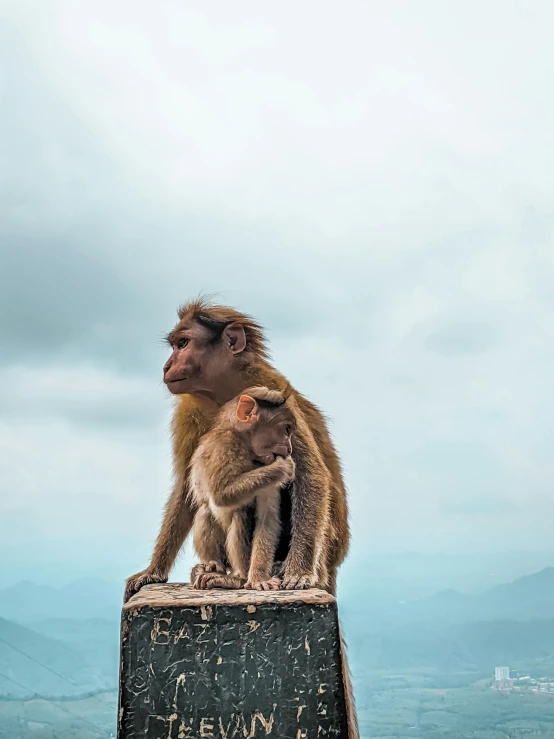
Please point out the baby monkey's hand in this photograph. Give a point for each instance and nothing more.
(286, 466)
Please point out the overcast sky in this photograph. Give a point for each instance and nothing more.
(372, 180)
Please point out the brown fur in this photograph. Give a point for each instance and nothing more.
(225, 480)
(319, 519)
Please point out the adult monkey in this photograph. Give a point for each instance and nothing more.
(217, 352)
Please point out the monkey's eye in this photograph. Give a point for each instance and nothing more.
(181, 343)
(288, 430)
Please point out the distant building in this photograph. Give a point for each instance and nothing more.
(502, 679)
(501, 673)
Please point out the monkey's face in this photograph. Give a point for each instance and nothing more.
(272, 435)
(199, 362)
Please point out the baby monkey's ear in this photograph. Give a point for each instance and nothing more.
(246, 409)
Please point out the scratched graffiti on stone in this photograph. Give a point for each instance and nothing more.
(224, 727)
(231, 668)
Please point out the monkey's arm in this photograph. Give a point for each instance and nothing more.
(190, 422)
(339, 503)
(243, 489)
(305, 565)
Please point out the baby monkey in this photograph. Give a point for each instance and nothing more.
(236, 474)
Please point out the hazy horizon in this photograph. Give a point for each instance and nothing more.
(473, 568)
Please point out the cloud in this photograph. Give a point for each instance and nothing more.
(80, 495)
(482, 505)
(83, 396)
(385, 210)
(456, 340)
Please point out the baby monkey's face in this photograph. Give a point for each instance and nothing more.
(272, 434)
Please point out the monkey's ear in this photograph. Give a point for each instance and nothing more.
(246, 409)
(235, 337)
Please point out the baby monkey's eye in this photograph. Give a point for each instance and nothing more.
(288, 430)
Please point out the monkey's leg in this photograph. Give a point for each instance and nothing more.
(310, 528)
(200, 571)
(266, 534)
(239, 546)
(209, 542)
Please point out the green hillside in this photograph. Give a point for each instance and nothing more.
(474, 712)
(95, 638)
(88, 718)
(474, 647)
(31, 662)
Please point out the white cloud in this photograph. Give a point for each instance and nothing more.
(83, 394)
(371, 181)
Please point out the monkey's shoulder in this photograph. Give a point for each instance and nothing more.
(220, 448)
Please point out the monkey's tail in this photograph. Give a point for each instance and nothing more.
(351, 717)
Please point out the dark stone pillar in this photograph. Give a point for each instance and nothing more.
(230, 664)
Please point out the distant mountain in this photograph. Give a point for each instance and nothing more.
(35, 663)
(70, 633)
(528, 597)
(97, 640)
(533, 593)
(451, 632)
(412, 575)
(87, 598)
(475, 647)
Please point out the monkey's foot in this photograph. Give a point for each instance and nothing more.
(274, 583)
(299, 582)
(134, 583)
(211, 580)
(205, 567)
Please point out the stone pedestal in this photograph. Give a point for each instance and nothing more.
(230, 664)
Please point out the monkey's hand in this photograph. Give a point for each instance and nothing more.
(298, 581)
(286, 467)
(274, 583)
(243, 489)
(134, 583)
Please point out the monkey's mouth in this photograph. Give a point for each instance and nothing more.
(265, 460)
